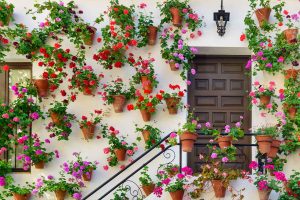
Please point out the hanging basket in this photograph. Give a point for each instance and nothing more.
(152, 35)
(88, 131)
(120, 154)
(264, 194)
(148, 189)
(219, 188)
(263, 15)
(264, 143)
(60, 194)
(187, 140)
(291, 35)
(225, 141)
(176, 16)
(178, 195)
(42, 86)
(172, 104)
(119, 103)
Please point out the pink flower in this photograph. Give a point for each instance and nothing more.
(5, 116)
(269, 106)
(193, 71)
(122, 167)
(180, 176)
(261, 89)
(225, 159)
(135, 149)
(187, 170)
(166, 181)
(173, 135)
(130, 152)
(123, 143)
(256, 83)
(254, 101)
(280, 176)
(253, 165)
(252, 94)
(280, 59)
(106, 150)
(158, 191)
(2, 181)
(188, 82)
(105, 167)
(214, 155)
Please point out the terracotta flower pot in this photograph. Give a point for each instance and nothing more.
(147, 85)
(178, 195)
(173, 66)
(172, 104)
(39, 165)
(176, 16)
(225, 141)
(264, 143)
(146, 115)
(219, 188)
(55, 117)
(60, 194)
(146, 135)
(264, 100)
(88, 92)
(148, 189)
(264, 194)
(152, 35)
(21, 196)
(187, 140)
(274, 148)
(119, 103)
(291, 73)
(291, 35)
(263, 15)
(88, 177)
(88, 131)
(121, 154)
(88, 40)
(292, 110)
(42, 86)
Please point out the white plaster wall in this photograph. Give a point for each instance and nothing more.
(125, 121)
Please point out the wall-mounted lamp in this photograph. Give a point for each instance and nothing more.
(221, 18)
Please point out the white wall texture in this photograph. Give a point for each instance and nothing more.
(209, 43)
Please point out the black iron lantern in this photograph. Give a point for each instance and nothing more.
(221, 17)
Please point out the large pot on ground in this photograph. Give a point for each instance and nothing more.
(88, 39)
(176, 16)
(263, 15)
(172, 105)
(219, 188)
(152, 35)
(264, 100)
(145, 115)
(264, 143)
(147, 85)
(60, 194)
(274, 148)
(264, 194)
(187, 141)
(120, 154)
(88, 131)
(291, 73)
(148, 189)
(178, 195)
(225, 141)
(42, 86)
(21, 196)
(291, 35)
(119, 103)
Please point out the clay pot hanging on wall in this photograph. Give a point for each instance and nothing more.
(88, 91)
(291, 73)
(146, 135)
(225, 141)
(291, 35)
(173, 66)
(148, 189)
(120, 154)
(88, 131)
(172, 104)
(39, 165)
(274, 148)
(60, 194)
(264, 100)
(152, 35)
(55, 117)
(219, 188)
(88, 40)
(147, 85)
(87, 177)
(263, 15)
(145, 115)
(178, 195)
(264, 143)
(187, 141)
(42, 86)
(21, 196)
(264, 194)
(292, 110)
(119, 103)
(176, 16)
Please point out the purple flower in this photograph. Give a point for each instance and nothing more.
(42, 25)
(260, 53)
(194, 50)
(238, 124)
(38, 152)
(225, 159)
(180, 176)
(61, 3)
(50, 177)
(14, 88)
(16, 119)
(47, 141)
(193, 71)
(269, 65)
(2, 181)
(166, 181)
(77, 196)
(24, 90)
(207, 124)
(187, 170)
(214, 155)
(158, 191)
(57, 19)
(249, 64)
(34, 115)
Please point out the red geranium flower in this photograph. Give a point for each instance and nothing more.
(180, 93)
(63, 93)
(130, 107)
(84, 118)
(5, 67)
(126, 12)
(118, 64)
(243, 37)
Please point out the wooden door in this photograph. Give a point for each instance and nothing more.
(218, 94)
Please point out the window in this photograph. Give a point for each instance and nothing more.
(17, 73)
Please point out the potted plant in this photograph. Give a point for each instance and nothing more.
(147, 32)
(264, 137)
(118, 149)
(187, 133)
(150, 134)
(292, 185)
(80, 168)
(291, 101)
(145, 74)
(87, 33)
(173, 100)
(121, 193)
(85, 80)
(117, 94)
(6, 12)
(171, 169)
(33, 149)
(291, 74)
(291, 32)
(88, 126)
(19, 192)
(5, 169)
(57, 111)
(263, 10)
(61, 186)
(146, 105)
(146, 182)
(42, 86)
